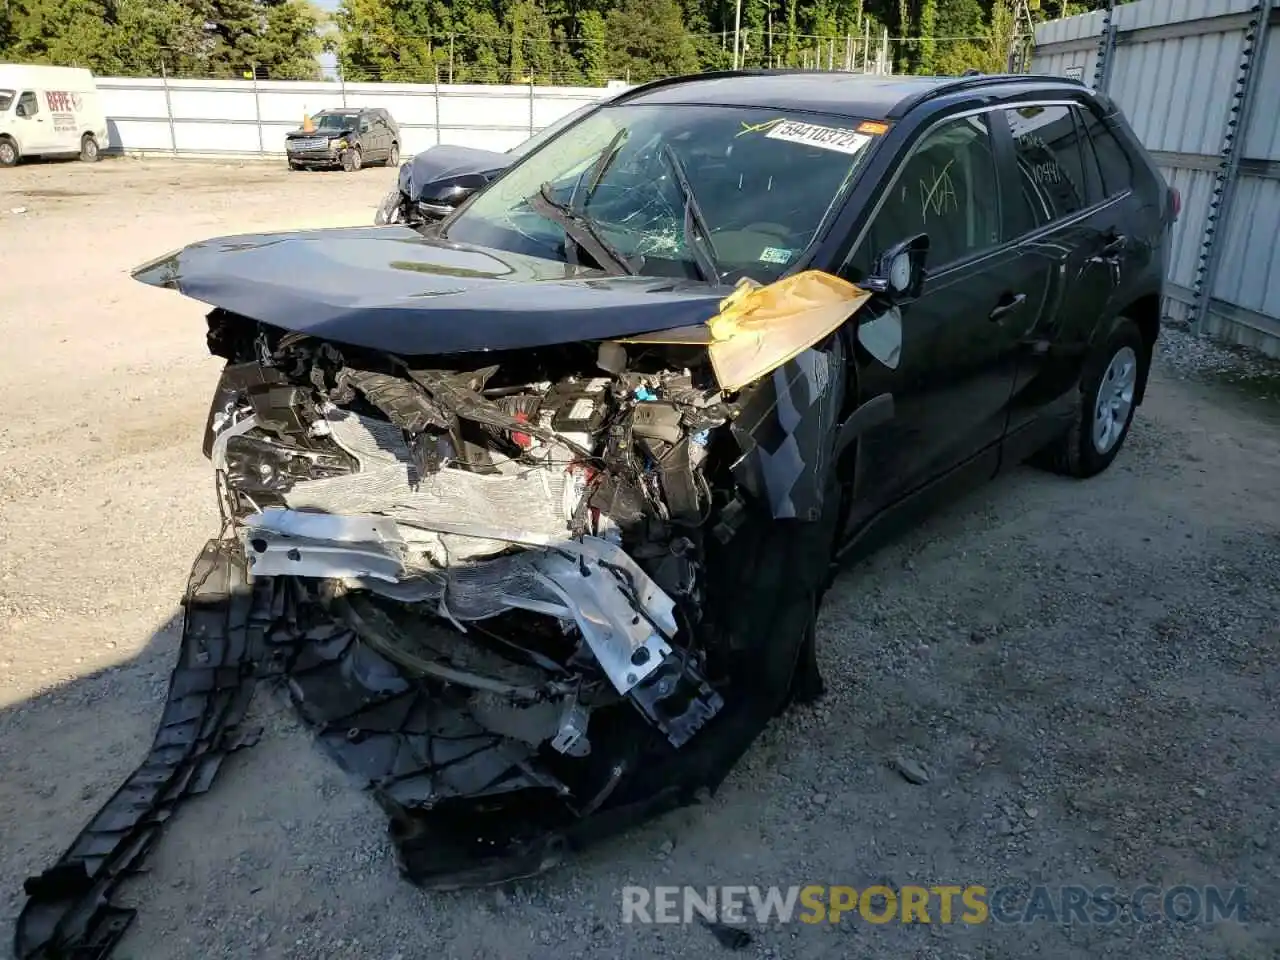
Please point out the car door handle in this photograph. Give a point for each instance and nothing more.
(1008, 304)
(1115, 244)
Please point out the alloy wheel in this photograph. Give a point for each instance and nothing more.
(1114, 401)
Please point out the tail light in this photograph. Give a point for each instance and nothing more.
(1175, 202)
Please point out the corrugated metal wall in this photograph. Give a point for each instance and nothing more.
(1177, 69)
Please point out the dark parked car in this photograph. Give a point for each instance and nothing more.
(536, 535)
(346, 138)
(433, 183)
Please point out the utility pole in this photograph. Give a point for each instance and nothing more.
(737, 29)
(1023, 39)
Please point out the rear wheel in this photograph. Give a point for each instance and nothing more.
(89, 148)
(1108, 394)
(352, 160)
(9, 155)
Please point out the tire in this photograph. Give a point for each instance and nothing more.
(352, 160)
(389, 210)
(9, 154)
(393, 158)
(1104, 412)
(294, 166)
(89, 148)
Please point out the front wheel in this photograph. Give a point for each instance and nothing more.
(1108, 394)
(393, 159)
(389, 210)
(8, 152)
(351, 160)
(89, 148)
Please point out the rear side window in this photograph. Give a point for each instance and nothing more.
(1117, 170)
(1050, 161)
(949, 190)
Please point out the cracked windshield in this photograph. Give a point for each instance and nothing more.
(708, 192)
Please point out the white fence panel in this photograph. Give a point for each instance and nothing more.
(251, 118)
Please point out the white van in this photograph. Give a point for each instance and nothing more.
(46, 111)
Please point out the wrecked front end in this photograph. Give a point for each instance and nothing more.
(516, 576)
(526, 597)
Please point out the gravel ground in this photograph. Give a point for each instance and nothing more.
(1087, 672)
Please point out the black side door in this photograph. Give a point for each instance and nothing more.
(959, 338)
(1074, 230)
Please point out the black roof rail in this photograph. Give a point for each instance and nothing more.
(966, 81)
(710, 75)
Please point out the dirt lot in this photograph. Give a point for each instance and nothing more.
(1088, 671)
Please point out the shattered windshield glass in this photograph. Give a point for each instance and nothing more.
(6, 100)
(673, 188)
(334, 121)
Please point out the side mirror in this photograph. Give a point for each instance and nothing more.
(21, 110)
(899, 271)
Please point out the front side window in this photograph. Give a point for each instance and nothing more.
(6, 100)
(667, 185)
(1046, 143)
(947, 189)
(27, 105)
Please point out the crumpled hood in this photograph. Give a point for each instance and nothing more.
(391, 289)
(445, 162)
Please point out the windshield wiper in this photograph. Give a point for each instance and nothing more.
(582, 231)
(693, 218)
(598, 170)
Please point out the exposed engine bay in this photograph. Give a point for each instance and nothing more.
(528, 598)
(526, 532)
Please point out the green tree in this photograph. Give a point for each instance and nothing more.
(190, 37)
(928, 51)
(61, 32)
(965, 19)
(647, 39)
(594, 47)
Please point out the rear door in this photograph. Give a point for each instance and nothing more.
(960, 336)
(381, 133)
(368, 138)
(1074, 228)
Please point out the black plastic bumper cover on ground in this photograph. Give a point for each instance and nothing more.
(467, 807)
(69, 912)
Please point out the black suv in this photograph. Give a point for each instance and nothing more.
(565, 475)
(346, 138)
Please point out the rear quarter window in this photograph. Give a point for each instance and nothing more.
(1113, 160)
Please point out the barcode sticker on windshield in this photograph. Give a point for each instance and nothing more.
(825, 138)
